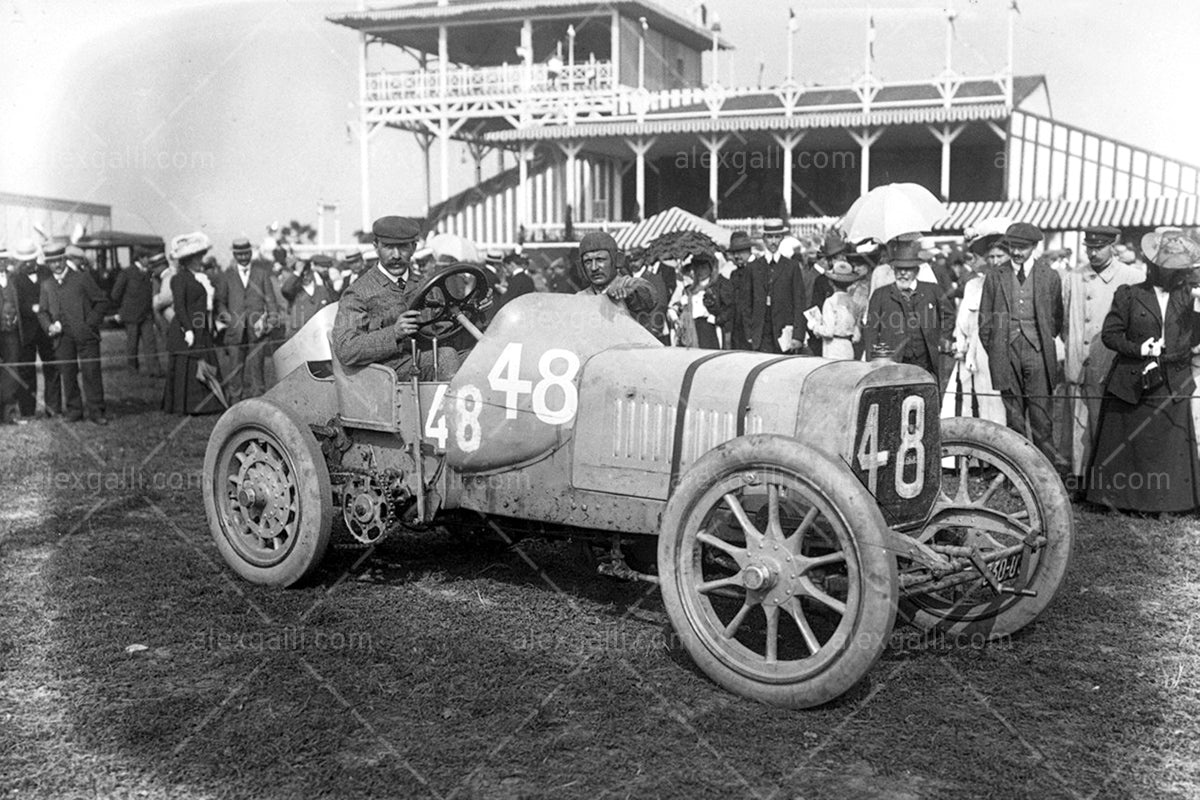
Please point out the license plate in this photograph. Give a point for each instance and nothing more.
(1006, 568)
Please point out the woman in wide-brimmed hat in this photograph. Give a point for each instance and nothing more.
(839, 319)
(189, 337)
(1145, 457)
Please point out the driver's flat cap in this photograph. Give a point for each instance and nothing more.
(396, 230)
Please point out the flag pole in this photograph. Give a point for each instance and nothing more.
(867, 55)
(1008, 69)
(791, 43)
(949, 36)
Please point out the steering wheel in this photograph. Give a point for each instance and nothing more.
(444, 294)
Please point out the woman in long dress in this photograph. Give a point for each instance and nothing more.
(1145, 457)
(189, 336)
(969, 391)
(695, 325)
(838, 322)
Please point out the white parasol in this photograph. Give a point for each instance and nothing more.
(887, 211)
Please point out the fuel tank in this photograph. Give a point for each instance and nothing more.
(516, 397)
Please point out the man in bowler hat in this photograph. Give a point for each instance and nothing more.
(1020, 313)
(247, 309)
(132, 294)
(70, 309)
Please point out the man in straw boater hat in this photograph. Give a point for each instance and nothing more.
(1145, 458)
(70, 309)
(1020, 314)
(36, 344)
(775, 312)
(908, 319)
(1088, 293)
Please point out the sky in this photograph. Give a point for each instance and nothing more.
(186, 115)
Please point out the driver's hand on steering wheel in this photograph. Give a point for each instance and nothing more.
(406, 324)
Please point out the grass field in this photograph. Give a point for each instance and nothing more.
(133, 663)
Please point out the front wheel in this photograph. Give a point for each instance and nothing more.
(1003, 501)
(774, 571)
(267, 493)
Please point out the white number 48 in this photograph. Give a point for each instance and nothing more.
(912, 432)
(556, 367)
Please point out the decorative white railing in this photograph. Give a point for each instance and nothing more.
(504, 80)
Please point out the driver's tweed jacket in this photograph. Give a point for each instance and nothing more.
(363, 330)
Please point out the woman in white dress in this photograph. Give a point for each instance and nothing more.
(969, 391)
(839, 321)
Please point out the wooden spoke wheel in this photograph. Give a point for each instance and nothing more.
(1002, 501)
(774, 572)
(267, 493)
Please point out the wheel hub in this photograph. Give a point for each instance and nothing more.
(251, 498)
(759, 577)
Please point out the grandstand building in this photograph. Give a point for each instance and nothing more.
(603, 115)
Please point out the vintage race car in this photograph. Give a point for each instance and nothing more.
(789, 507)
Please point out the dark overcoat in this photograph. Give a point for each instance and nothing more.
(885, 315)
(78, 303)
(1135, 317)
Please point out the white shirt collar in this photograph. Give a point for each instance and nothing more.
(390, 276)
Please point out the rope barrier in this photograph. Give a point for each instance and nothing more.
(143, 354)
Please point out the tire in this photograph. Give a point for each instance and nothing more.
(277, 529)
(991, 456)
(722, 590)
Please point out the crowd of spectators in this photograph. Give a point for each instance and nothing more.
(1091, 360)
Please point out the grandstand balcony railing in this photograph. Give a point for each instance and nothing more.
(506, 80)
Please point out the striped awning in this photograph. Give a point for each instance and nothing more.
(1075, 215)
(669, 221)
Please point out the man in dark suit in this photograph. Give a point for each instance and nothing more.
(305, 290)
(247, 310)
(131, 295)
(70, 309)
(374, 324)
(908, 319)
(1020, 313)
(776, 299)
(519, 281)
(36, 343)
(12, 335)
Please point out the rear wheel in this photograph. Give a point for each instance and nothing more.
(267, 493)
(1000, 494)
(774, 572)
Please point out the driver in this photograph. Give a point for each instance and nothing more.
(374, 323)
(599, 258)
